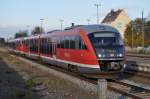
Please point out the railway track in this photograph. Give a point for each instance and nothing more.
(138, 73)
(130, 90)
(126, 89)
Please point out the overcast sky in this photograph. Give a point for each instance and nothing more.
(17, 14)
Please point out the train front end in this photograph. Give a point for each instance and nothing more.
(109, 48)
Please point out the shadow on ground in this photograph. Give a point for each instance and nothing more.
(12, 85)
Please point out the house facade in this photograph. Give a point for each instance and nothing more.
(118, 19)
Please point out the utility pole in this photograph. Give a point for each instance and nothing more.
(41, 24)
(97, 6)
(88, 20)
(61, 23)
(132, 33)
(133, 27)
(143, 28)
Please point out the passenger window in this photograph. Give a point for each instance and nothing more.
(81, 43)
(72, 42)
(62, 43)
(67, 42)
(58, 43)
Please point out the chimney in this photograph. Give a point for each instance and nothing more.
(112, 12)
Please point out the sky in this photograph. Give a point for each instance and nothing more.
(26, 14)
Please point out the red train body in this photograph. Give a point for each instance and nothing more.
(84, 49)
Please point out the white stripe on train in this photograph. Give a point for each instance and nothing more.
(60, 60)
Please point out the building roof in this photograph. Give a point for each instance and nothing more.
(111, 16)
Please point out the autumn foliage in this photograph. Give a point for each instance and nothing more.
(134, 35)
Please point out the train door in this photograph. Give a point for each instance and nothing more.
(54, 50)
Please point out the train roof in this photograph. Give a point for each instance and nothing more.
(87, 28)
(98, 28)
(93, 28)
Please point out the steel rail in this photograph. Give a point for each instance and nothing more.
(129, 89)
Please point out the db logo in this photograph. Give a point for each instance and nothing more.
(67, 55)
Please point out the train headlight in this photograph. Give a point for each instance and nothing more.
(99, 55)
(120, 55)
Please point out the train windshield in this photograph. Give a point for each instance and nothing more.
(107, 44)
(99, 39)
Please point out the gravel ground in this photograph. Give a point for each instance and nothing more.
(20, 80)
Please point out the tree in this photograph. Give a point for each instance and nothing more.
(37, 30)
(135, 29)
(128, 36)
(21, 34)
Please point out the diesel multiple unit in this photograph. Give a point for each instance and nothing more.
(84, 49)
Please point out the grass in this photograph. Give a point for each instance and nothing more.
(30, 83)
(17, 94)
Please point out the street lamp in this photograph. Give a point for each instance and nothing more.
(88, 20)
(97, 6)
(61, 23)
(41, 24)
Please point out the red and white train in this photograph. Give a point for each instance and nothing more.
(85, 49)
